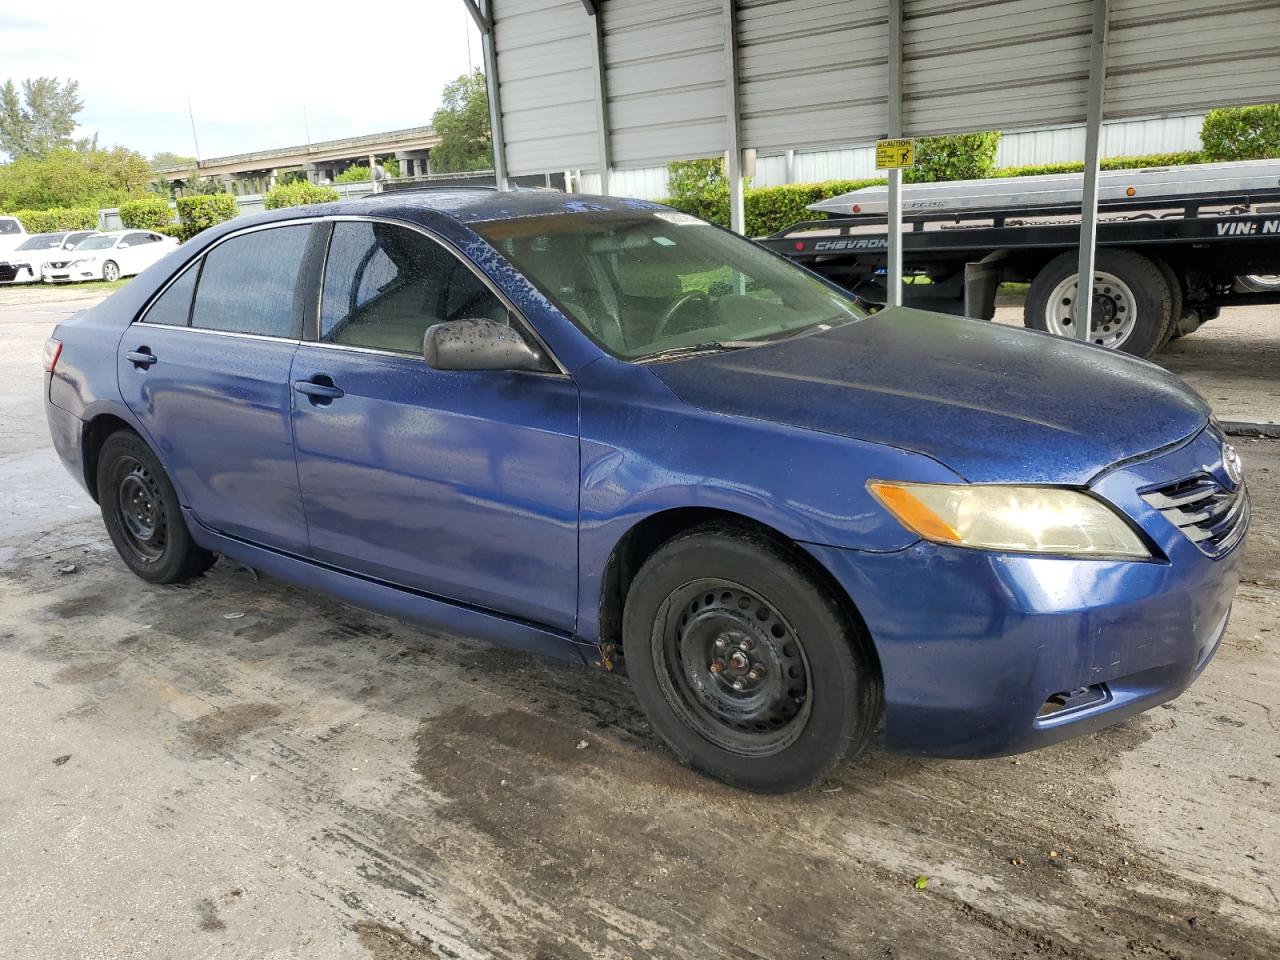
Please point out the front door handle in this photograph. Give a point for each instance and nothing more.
(320, 389)
(142, 357)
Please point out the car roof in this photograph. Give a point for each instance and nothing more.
(470, 205)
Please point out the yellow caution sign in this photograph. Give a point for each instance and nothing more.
(892, 154)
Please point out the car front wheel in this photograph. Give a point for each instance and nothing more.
(745, 666)
(110, 271)
(142, 515)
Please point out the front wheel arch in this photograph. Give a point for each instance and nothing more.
(646, 536)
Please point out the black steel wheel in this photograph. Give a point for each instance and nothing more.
(749, 669)
(733, 668)
(142, 515)
(141, 507)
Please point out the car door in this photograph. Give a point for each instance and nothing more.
(206, 372)
(461, 484)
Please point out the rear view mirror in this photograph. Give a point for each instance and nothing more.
(477, 345)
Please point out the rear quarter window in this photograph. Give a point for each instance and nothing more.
(173, 307)
(250, 284)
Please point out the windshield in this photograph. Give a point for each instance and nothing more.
(43, 241)
(9, 226)
(96, 243)
(645, 282)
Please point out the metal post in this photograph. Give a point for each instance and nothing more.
(893, 268)
(789, 161)
(602, 98)
(495, 105)
(733, 167)
(1083, 312)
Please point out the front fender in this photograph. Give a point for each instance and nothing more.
(645, 452)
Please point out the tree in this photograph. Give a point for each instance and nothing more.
(39, 120)
(167, 158)
(462, 123)
(70, 178)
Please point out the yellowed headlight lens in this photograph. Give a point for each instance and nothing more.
(1048, 520)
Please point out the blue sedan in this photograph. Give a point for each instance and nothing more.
(607, 431)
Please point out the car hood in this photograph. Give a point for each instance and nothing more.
(995, 404)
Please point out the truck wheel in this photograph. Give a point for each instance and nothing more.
(1176, 305)
(1132, 302)
(744, 665)
(1259, 282)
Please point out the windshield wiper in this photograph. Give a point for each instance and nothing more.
(710, 346)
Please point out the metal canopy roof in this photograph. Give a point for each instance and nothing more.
(610, 84)
(653, 74)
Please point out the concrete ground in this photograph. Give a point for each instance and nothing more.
(235, 768)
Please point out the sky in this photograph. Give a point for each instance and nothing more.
(250, 69)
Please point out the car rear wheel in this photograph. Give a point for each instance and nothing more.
(142, 515)
(745, 667)
(1132, 301)
(110, 271)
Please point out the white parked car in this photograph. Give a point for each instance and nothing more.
(23, 264)
(12, 233)
(109, 256)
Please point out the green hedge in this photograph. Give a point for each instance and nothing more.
(58, 218)
(1242, 133)
(203, 211)
(963, 156)
(149, 214)
(1111, 163)
(769, 209)
(298, 194)
(175, 230)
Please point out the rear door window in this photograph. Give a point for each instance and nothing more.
(250, 284)
(385, 284)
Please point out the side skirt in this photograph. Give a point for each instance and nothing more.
(396, 601)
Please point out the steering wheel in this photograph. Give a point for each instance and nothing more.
(680, 302)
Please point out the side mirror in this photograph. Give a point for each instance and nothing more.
(477, 345)
(121, 245)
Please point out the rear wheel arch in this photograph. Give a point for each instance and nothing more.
(644, 538)
(95, 434)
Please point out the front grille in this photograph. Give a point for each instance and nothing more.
(7, 272)
(1211, 516)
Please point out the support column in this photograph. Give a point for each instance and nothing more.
(789, 159)
(484, 19)
(1082, 313)
(602, 98)
(893, 268)
(733, 166)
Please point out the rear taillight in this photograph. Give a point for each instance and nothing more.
(52, 351)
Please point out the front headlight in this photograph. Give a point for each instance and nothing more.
(1014, 519)
(81, 262)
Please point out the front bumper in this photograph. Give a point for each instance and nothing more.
(973, 645)
(23, 273)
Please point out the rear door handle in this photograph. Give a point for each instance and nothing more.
(320, 389)
(142, 357)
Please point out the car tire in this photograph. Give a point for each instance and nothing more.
(110, 271)
(816, 696)
(142, 514)
(1149, 312)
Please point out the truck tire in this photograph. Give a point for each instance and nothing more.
(1259, 282)
(1176, 301)
(1133, 303)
